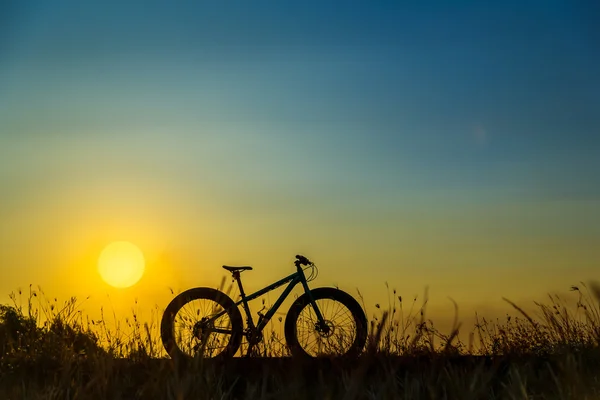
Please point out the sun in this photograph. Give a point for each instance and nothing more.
(121, 264)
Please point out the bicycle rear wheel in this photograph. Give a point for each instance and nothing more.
(345, 334)
(187, 329)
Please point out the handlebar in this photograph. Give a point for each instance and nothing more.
(301, 260)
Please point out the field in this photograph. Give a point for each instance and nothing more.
(51, 351)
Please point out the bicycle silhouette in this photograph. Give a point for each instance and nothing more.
(321, 322)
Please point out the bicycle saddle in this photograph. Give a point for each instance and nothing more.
(234, 269)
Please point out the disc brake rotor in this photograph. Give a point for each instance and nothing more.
(328, 331)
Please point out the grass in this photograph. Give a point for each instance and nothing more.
(52, 351)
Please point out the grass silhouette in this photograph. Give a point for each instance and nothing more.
(52, 351)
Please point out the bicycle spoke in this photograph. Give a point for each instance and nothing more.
(196, 332)
(340, 324)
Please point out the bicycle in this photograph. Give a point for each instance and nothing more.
(219, 334)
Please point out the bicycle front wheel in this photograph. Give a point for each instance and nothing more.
(189, 328)
(345, 330)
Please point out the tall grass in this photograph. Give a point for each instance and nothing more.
(558, 326)
(51, 350)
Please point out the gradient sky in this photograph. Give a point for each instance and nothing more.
(449, 144)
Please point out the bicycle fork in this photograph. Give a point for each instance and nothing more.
(321, 323)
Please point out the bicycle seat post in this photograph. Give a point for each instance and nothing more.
(237, 278)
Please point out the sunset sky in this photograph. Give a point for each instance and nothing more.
(454, 145)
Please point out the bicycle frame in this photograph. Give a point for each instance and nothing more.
(293, 279)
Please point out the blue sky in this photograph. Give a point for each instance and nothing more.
(425, 84)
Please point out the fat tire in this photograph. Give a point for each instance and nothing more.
(167, 327)
(360, 319)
